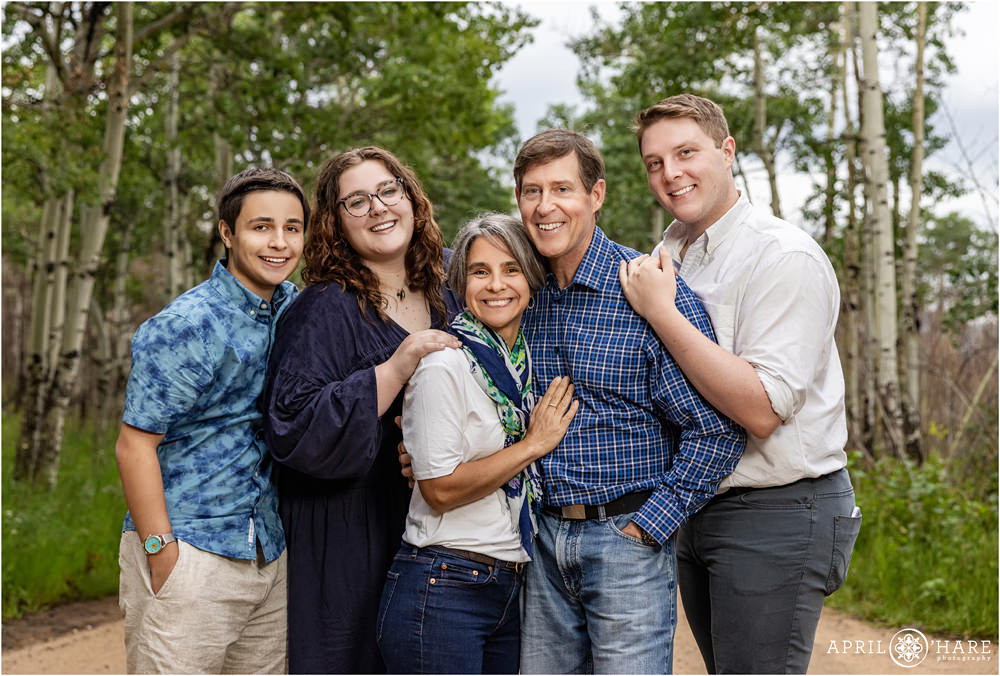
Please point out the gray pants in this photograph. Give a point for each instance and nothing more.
(754, 566)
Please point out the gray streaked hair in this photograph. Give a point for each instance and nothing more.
(502, 230)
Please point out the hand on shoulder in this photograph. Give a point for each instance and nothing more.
(648, 283)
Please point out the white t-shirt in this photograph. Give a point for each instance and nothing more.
(773, 299)
(448, 420)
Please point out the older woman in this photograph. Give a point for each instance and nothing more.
(342, 353)
(450, 603)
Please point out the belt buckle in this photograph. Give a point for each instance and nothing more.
(518, 567)
(574, 512)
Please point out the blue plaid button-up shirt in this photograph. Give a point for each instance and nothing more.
(198, 368)
(641, 424)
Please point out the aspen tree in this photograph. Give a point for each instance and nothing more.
(877, 178)
(910, 363)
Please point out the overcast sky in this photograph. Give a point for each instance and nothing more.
(545, 72)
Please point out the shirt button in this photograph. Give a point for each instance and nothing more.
(253, 312)
(263, 306)
(256, 475)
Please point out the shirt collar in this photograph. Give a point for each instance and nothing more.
(243, 298)
(593, 269)
(675, 236)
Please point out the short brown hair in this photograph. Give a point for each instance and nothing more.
(252, 180)
(553, 144)
(708, 114)
(330, 258)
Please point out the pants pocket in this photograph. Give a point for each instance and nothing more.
(391, 578)
(845, 532)
(617, 523)
(170, 582)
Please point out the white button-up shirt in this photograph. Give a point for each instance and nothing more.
(773, 299)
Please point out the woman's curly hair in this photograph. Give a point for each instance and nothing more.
(330, 258)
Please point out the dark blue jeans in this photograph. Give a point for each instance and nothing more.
(754, 566)
(443, 614)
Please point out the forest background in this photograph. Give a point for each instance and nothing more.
(122, 120)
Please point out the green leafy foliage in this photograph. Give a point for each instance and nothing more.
(661, 49)
(288, 85)
(926, 555)
(61, 545)
(958, 268)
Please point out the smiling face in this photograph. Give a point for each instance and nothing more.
(558, 213)
(496, 290)
(265, 244)
(384, 233)
(688, 174)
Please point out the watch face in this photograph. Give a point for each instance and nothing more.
(153, 544)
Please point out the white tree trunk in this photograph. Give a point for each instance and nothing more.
(37, 364)
(121, 329)
(172, 219)
(187, 273)
(47, 312)
(94, 227)
(60, 279)
(829, 204)
(854, 327)
(873, 131)
(910, 325)
(761, 146)
(102, 358)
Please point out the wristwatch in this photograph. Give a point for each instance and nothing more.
(153, 544)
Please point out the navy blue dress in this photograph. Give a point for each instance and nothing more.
(343, 501)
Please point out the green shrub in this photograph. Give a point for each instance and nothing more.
(927, 552)
(61, 545)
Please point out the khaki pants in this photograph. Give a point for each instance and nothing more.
(214, 614)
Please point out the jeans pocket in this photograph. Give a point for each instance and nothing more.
(845, 532)
(617, 523)
(391, 579)
(456, 572)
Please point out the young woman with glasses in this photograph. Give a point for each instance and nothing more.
(375, 303)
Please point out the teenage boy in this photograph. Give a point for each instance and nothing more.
(202, 552)
(644, 452)
(755, 563)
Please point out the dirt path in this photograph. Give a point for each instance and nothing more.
(86, 638)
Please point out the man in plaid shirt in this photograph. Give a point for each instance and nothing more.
(644, 452)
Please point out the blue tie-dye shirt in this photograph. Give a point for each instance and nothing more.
(198, 369)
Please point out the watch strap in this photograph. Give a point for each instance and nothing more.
(154, 543)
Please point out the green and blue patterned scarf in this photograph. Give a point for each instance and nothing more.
(505, 376)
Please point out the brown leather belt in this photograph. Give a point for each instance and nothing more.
(516, 566)
(626, 504)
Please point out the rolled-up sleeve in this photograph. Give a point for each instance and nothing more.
(787, 319)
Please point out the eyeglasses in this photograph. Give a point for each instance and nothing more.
(360, 203)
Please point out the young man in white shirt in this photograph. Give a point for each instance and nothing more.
(755, 564)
